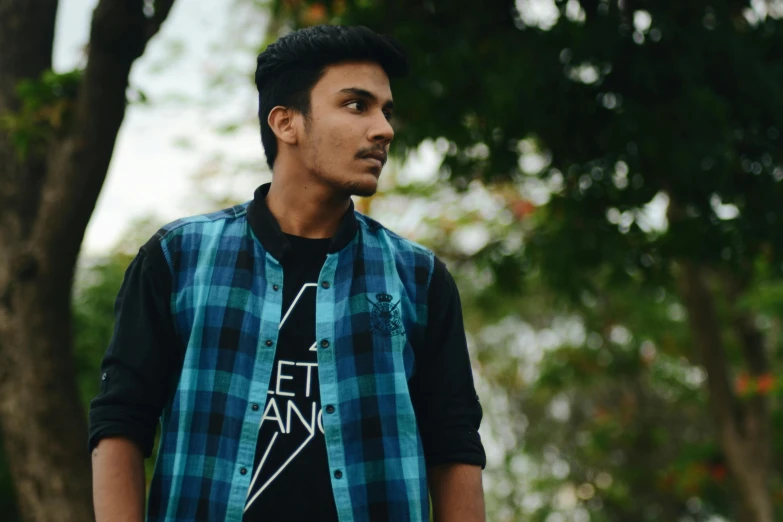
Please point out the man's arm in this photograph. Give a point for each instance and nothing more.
(457, 494)
(137, 374)
(448, 412)
(118, 484)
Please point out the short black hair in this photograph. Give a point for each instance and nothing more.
(289, 68)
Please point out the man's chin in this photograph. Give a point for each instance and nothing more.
(364, 192)
(363, 188)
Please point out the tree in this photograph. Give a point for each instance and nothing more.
(57, 133)
(630, 105)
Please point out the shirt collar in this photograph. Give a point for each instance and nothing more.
(267, 229)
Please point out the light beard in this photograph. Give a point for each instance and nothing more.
(357, 189)
(349, 187)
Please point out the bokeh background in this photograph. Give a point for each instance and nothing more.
(604, 178)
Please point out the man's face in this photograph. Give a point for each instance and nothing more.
(347, 134)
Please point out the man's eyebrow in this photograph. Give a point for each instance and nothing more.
(367, 95)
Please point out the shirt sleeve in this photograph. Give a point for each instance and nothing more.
(139, 367)
(447, 408)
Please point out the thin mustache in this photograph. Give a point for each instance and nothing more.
(366, 153)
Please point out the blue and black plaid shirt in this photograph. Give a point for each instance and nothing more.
(226, 302)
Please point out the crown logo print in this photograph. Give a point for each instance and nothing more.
(385, 316)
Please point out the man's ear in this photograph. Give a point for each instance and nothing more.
(282, 121)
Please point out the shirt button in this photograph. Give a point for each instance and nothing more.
(243, 471)
(330, 409)
(325, 284)
(338, 474)
(324, 344)
(275, 288)
(254, 407)
(269, 342)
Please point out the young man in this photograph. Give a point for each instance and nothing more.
(306, 363)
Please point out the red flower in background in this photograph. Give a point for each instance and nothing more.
(522, 208)
(743, 384)
(718, 472)
(765, 383)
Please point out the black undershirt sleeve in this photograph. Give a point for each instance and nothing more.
(141, 363)
(442, 390)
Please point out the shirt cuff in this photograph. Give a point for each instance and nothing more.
(455, 445)
(119, 421)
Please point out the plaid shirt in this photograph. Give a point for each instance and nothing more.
(371, 307)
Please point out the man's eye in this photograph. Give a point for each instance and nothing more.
(388, 115)
(357, 105)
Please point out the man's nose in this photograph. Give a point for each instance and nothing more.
(381, 130)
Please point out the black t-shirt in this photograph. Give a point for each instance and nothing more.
(291, 471)
(143, 361)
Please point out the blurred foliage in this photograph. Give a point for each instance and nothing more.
(47, 103)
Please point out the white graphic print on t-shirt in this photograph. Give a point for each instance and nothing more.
(292, 410)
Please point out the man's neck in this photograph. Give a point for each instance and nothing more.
(305, 208)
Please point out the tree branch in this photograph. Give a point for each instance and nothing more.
(705, 329)
(26, 36)
(751, 339)
(756, 419)
(78, 163)
(742, 427)
(162, 9)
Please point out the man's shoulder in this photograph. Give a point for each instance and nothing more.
(398, 242)
(196, 226)
(200, 221)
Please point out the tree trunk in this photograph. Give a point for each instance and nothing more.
(42, 418)
(743, 428)
(46, 199)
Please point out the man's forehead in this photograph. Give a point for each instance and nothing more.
(345, 77)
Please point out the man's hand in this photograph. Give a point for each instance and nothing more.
(457, 495)
(118, 483)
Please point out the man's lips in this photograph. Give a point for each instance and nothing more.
(374, 160)
(376, 156)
